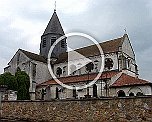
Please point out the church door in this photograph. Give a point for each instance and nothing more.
(94, 90)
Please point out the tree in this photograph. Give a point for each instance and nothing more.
(23, 81)
(9, 80)
(20, 83)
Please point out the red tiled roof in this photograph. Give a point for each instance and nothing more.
(81, 78)
(126, 80)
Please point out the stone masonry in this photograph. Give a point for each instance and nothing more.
(135, 109)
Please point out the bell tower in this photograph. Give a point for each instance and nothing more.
(52, 32)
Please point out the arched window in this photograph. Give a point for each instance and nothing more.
(122, 62)
(131, 94)
(139, 94)
(43, 92)
(59, 71)
(74, 92)
(108, 64)
(89, 67)
(121, 93)
(129, 64)
(64, 70)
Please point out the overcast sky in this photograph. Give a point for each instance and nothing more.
(22, 23)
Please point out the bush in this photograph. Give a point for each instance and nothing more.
(9, 80)
(20, 83)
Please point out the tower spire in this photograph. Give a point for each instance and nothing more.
(52, 32)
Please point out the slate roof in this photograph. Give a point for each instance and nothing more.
(78, 78)
(107, 47)
(34, 56)
(126, 80)
(54, 25)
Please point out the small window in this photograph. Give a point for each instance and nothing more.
(74, 92)
(44, 42)
(120, 48)
(59, 71)
(64, 70)
(89, 67)
(96, 65)
(129, 64)
(122, 62)
(63, 43)
(53, 39)
(34, 71)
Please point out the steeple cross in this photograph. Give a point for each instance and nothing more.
(55, 6)
(125, 31)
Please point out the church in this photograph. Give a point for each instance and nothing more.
(120, 77)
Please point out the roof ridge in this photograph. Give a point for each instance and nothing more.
(125, 80)
(136, 78)
(29, 52)
(33, 56)
(107, 47)
(112, 39)
(106, 41)
(78, 78)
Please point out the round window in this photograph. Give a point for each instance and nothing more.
(108, 63)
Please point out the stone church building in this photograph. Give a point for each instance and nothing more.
(119, 78)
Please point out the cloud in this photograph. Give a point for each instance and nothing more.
(73, 6)
(23, 22)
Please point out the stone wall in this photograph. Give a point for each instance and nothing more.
(98, 110)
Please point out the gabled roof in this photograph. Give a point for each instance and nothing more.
(34, 56)
(127, 80)
(79, 78)
(107, 47)
(54, 25)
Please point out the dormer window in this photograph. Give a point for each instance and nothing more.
(53, 39)
(44, 42)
